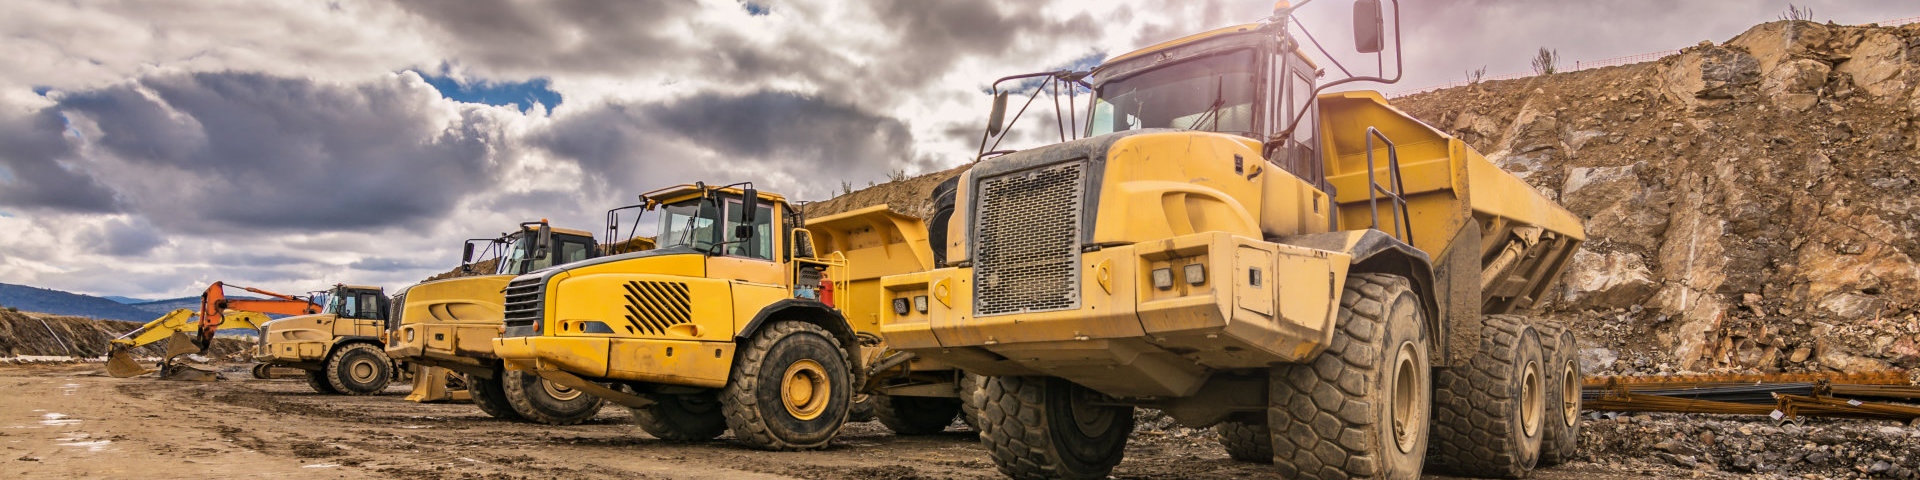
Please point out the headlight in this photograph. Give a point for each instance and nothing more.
(1163, 278)
(900, 306)
(920, 303)
(1196, 273)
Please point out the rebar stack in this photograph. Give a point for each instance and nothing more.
(1777, 395)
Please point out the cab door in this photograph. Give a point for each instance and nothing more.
(750, 266)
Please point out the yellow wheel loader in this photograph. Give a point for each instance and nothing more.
(340, 347)
(1334, 284)
(451, 324)
(736, 322)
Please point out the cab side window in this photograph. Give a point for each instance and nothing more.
(761, 245)
(572, 252)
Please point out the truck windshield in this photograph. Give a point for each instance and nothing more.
(517, 261)
(1213, 93)
(689, 223)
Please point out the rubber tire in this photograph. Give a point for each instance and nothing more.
(1246, 440)
(1478, 417)
(491, 396)
(916, 415)
(752, 397)
(1332, 416)
(943, 196)
(1561, 442)
(693, 417)
(343, 358)
(861, 409)
(533, 403)
(1030, 431)
(319, 383)
(972, 397)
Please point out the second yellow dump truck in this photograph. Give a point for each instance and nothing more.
(340, 347)
(451, 323)
(1330, 281)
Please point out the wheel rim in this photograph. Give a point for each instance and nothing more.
(804, 389)
(557, 391)
(1570, 394)
(1090, 419)
(1407, 397)
(1532, 399)
(362, 370)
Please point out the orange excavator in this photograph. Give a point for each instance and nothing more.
(216, 312)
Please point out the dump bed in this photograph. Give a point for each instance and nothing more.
(1460, 208)
(875, 242)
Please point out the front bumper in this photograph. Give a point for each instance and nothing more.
(442, 343)
(1255, 304)
(674, 362)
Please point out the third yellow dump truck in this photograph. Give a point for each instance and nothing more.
(1339, 287)
(737, 321)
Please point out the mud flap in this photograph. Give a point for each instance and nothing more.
(430, 385)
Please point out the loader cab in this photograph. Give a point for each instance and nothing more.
(1247, 80)
(736, 229)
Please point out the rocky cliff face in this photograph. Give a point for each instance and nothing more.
(1749, 205)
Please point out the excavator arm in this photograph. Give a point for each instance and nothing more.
(216, 312)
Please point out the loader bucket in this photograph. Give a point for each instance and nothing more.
(122, 365)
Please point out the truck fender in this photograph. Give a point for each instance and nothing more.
(1375, 251)
(814, 312)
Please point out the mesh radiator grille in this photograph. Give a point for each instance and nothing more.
(1027, 248)
(654, 306)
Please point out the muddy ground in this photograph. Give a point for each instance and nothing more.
(60, 421)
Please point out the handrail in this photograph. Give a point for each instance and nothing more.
(1402, 225)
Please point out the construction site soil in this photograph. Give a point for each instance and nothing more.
(1749, 208)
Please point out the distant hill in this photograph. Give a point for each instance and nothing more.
(161, 307)
(126, 300)
(57, 302)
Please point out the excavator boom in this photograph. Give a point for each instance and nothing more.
(216, 312)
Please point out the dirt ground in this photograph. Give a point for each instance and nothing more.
(62, 421)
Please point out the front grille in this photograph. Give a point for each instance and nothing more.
(654, 306)
(1026, 255)
(396, 312)
(525, 303)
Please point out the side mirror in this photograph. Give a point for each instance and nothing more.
(999, 115)
(467, 256)
(750, 200)
(1368, 26)
(543, 243)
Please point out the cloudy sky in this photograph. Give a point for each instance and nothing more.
(150, 147)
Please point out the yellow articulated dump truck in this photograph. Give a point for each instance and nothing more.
(735, 322)
(1338, 287)
(451, 323)
(340, 347)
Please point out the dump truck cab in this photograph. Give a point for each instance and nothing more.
(1322, 276)
(451, 324)
(338, 347)
(731, 307)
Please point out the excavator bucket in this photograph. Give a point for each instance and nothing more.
(122, 365)
(430, 385)
(172, 369)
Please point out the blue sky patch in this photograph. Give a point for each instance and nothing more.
(755, 9)
(523, 95)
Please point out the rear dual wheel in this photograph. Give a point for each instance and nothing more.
(1491, 414)
(689, 417)
(491, 396)
(1561, 441)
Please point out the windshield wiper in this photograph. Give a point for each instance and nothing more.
(1213, 109)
